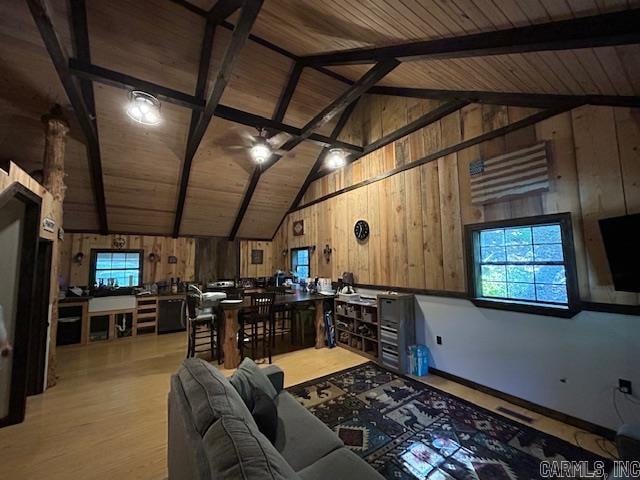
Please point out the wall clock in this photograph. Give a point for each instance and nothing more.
(361, 230)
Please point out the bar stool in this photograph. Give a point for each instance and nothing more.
(256, 325)
(281, 312)
(202, 331)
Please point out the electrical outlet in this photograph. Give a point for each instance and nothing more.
(439, 340)
(624, 386)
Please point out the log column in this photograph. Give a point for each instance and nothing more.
(56, 129)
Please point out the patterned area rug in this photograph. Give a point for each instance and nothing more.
(407, 430)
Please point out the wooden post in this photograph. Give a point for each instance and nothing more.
(56, 130)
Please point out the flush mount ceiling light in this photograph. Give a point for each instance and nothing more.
(336, 158)
(261, 150)
(143, 108)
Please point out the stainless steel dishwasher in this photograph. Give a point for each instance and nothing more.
(170, 313)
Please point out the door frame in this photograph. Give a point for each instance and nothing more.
(29, 251)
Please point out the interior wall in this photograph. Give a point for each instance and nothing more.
(216, 259)
(568, 365)
(269, 259)
(417, 217)
(183, 248)
(11, 218)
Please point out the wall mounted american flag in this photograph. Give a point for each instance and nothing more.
(510, 175)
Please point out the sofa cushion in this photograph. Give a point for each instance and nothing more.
(265, 414)
(248, 377)
(209, 394)
(301, 438)
(341, 463)
(238, 451)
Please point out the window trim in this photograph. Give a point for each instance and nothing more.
(94, 257)
(293, 252)
(472, 252)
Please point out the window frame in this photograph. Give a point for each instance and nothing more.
(94, 259)
(472, 251)
(293, 254)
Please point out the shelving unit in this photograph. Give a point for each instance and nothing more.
(357, 327)
(147, 315)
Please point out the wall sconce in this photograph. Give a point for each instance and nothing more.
(153, 258)
(78, 258)
(284, 252)
(312, 249)
(327, 252)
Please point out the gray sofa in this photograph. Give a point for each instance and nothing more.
(212, 434)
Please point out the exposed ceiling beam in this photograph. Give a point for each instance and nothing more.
(223, 9)
(42, 19)
(355, 91)
(248, 194)
(342, 121)
(618, 28)
(127, 82)
(499, 132)
(253, 120)
(287, 92)
(535, 100)
(261, 41)
(428, 118)
(112, 78)
(248, 15)
(278, 115)
(201, 84)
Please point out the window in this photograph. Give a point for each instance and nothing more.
(525, 264)
(300, 263)
(123, 266)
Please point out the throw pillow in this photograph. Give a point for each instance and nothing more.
(265, 413)
(248, 377)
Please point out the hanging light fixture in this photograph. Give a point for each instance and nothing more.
(261, 150)
(336, 158)
(143, 108)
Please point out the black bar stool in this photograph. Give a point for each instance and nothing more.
(281, 312)
(256, 325)
(202, 330)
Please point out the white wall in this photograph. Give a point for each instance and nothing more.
(527, 355)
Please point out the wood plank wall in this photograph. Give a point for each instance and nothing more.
(183, 248)
(417, 217)
(216, 259)
(268, 265)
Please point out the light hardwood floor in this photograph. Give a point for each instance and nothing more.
(106, 418)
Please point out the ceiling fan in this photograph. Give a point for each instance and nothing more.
(259, 146)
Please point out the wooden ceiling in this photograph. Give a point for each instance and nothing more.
(159, 41)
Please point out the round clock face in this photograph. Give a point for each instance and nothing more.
(361, 230)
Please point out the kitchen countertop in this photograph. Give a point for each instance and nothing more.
(75, 299)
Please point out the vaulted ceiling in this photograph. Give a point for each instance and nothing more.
(159, 41)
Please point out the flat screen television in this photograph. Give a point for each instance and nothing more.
(621, 242)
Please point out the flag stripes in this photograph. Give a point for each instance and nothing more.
(515, 173)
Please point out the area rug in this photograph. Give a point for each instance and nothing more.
(407, 430)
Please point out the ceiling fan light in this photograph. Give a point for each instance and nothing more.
(261, 151)
(336, 158)
(143, 108)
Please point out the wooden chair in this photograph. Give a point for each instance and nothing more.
(202, 327)
(282, 313)
(256, 325)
